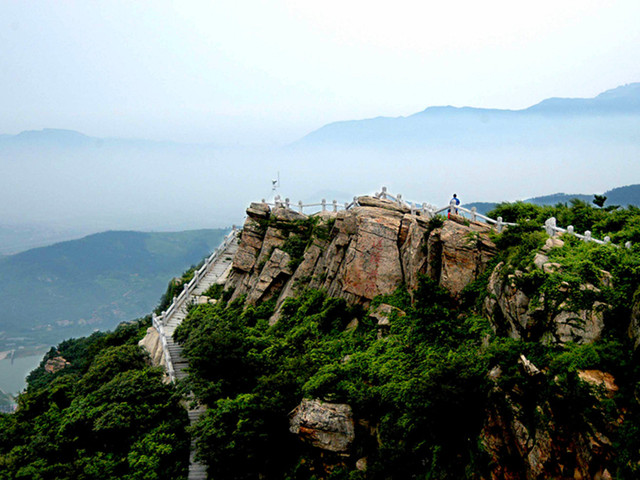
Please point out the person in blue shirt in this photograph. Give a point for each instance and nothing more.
(455, 201)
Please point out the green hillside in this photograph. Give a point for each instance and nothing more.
(623, 196)
(72, 288)
(107, 414)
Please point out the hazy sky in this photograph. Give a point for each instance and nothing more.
(267, 72)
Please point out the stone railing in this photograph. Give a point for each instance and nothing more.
(159, 321)
(159, 326)
(323, 204)
(550, 225)
(431, 211)
(552, 229)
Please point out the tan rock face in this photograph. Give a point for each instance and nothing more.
(55, 364)
(372, 261)
(533, 442)
(328, 426)
(514, 314)
(367, 201)
(152, 344)
(634, 326)
(250, 245)
(364, 252)
(466, 250)
(274, 274)
(601, 380)
(414, 249)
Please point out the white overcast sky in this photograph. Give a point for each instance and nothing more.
(268, 72)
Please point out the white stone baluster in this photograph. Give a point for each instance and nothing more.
(300, 205)
(474, 210)
(383, 193)
(607, 239)
(627, 245)
(324, 205)
(549, 226)
(571, 230)
(499, 225)
(287, 203)
(335, 205)
(587, 236)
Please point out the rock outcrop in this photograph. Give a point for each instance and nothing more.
(152, 344)
(55, 364)
(328, 426)
(532, 441)
(634, 326)
(357, 254)
(551, 320)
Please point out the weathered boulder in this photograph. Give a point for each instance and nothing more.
(604, 382)
(414, 248)
(371, 264)
(466, 251)
(367, 201)
(513, 313)
(287, 215)
(152, 344)
(249, 246)
(328, 426)
(384, 312)
(55, 364)
(258, 210)
(272, 277)
(582, 326)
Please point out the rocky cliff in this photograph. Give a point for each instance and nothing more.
(356, 254)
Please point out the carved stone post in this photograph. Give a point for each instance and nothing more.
(324, 205)
(587, 236)
(549, 226)
(499, 225)
(335, 205)
(473, 213)
(300, 205)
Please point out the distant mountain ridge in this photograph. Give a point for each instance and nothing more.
(447, 123)
(64, 138)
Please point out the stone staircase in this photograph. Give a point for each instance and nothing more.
(217, 272)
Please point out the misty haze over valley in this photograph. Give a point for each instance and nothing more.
(60, 184)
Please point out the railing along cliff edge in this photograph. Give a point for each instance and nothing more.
(431, 211)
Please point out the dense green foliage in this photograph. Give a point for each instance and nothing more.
(421, 393)
(95, 282)
(106, 415)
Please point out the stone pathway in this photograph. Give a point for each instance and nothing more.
(217, 273)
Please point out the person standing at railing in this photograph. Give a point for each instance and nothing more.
(453, 205)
